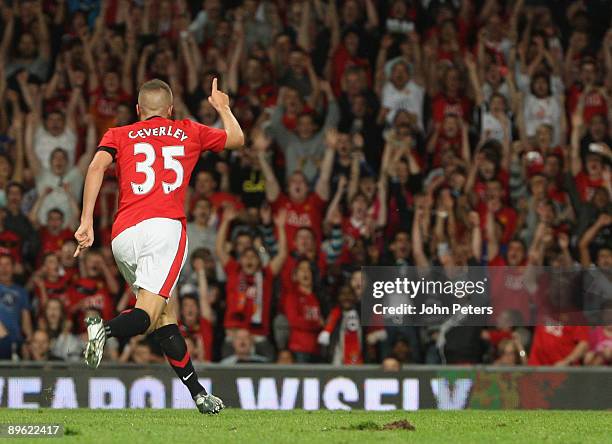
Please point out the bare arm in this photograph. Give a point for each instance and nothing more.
(334, 206)
(372, 15)
(303, 35)
(229, 214)
(276, 263)
(588, 236)
(93, 181)
(205, 309)
(90, 147)
(220, 101)
(17, 130)
(474, 80)
(234, 65)
(577, 130)
(33, 161)
(192, 72)
(322, 185)
(474, 220)
(420, 258)
(261, 142)
(7, 36)
(492, 241)
(44, 46)
(128, 62)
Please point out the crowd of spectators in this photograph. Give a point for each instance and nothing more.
(379, 132)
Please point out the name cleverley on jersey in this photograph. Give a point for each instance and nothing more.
(169, 131)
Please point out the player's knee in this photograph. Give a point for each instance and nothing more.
(153, 305)
(142, 319)
(166, 332)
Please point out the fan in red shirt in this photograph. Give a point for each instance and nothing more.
(559, 345)
(347, 56)
(594, 100)
(54, 235)
(49, 283)
(305, 247)
(10, 242)
(205, 187)
(249, 282)
(343, 332)
(587, 182)
(509, 290)
(303, 313)
(194, 324)
(88, 294)
(487, 167)
(106, 99)
(304, 208)
(447, 136)
(494, 207)
(450, 100)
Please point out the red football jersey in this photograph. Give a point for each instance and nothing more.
(155, 158)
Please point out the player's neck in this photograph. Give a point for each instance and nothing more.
(152, 116)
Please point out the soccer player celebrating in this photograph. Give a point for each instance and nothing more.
(154, 160)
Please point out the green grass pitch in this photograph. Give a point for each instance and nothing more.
(294, 427)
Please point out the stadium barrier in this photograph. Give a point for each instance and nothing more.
(60, 385)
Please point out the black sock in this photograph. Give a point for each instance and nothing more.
(174, 347)
(129, 323)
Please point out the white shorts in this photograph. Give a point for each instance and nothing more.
(151, 254)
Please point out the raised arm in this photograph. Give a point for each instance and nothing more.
(322, 185)
(44, 42)
(229, 214)
(7, 35)
(192, 72)
(261, 142)
(276, 263)
(476, 241)
(577, 130)
(334, 206)
(470, 63)
(128, 61)
(492, 241)
(90, 147)
(233, 74)
(17, 130)
(588, 236)
(303, 35)
(420, 259)
(220, 102)
(333, 112)
(33, 160)
(206, 310)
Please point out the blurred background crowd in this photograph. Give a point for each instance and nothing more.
(379, 132)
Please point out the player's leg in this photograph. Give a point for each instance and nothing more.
(172, 343)
(137, 254)
(136, 321)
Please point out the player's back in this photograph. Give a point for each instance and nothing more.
(155, 158)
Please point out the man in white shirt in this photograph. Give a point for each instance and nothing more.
(401, 92)
(58, 177)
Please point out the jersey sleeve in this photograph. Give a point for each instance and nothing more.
(211, 139)
(109, 143)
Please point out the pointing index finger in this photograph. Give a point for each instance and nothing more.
(214, 85)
